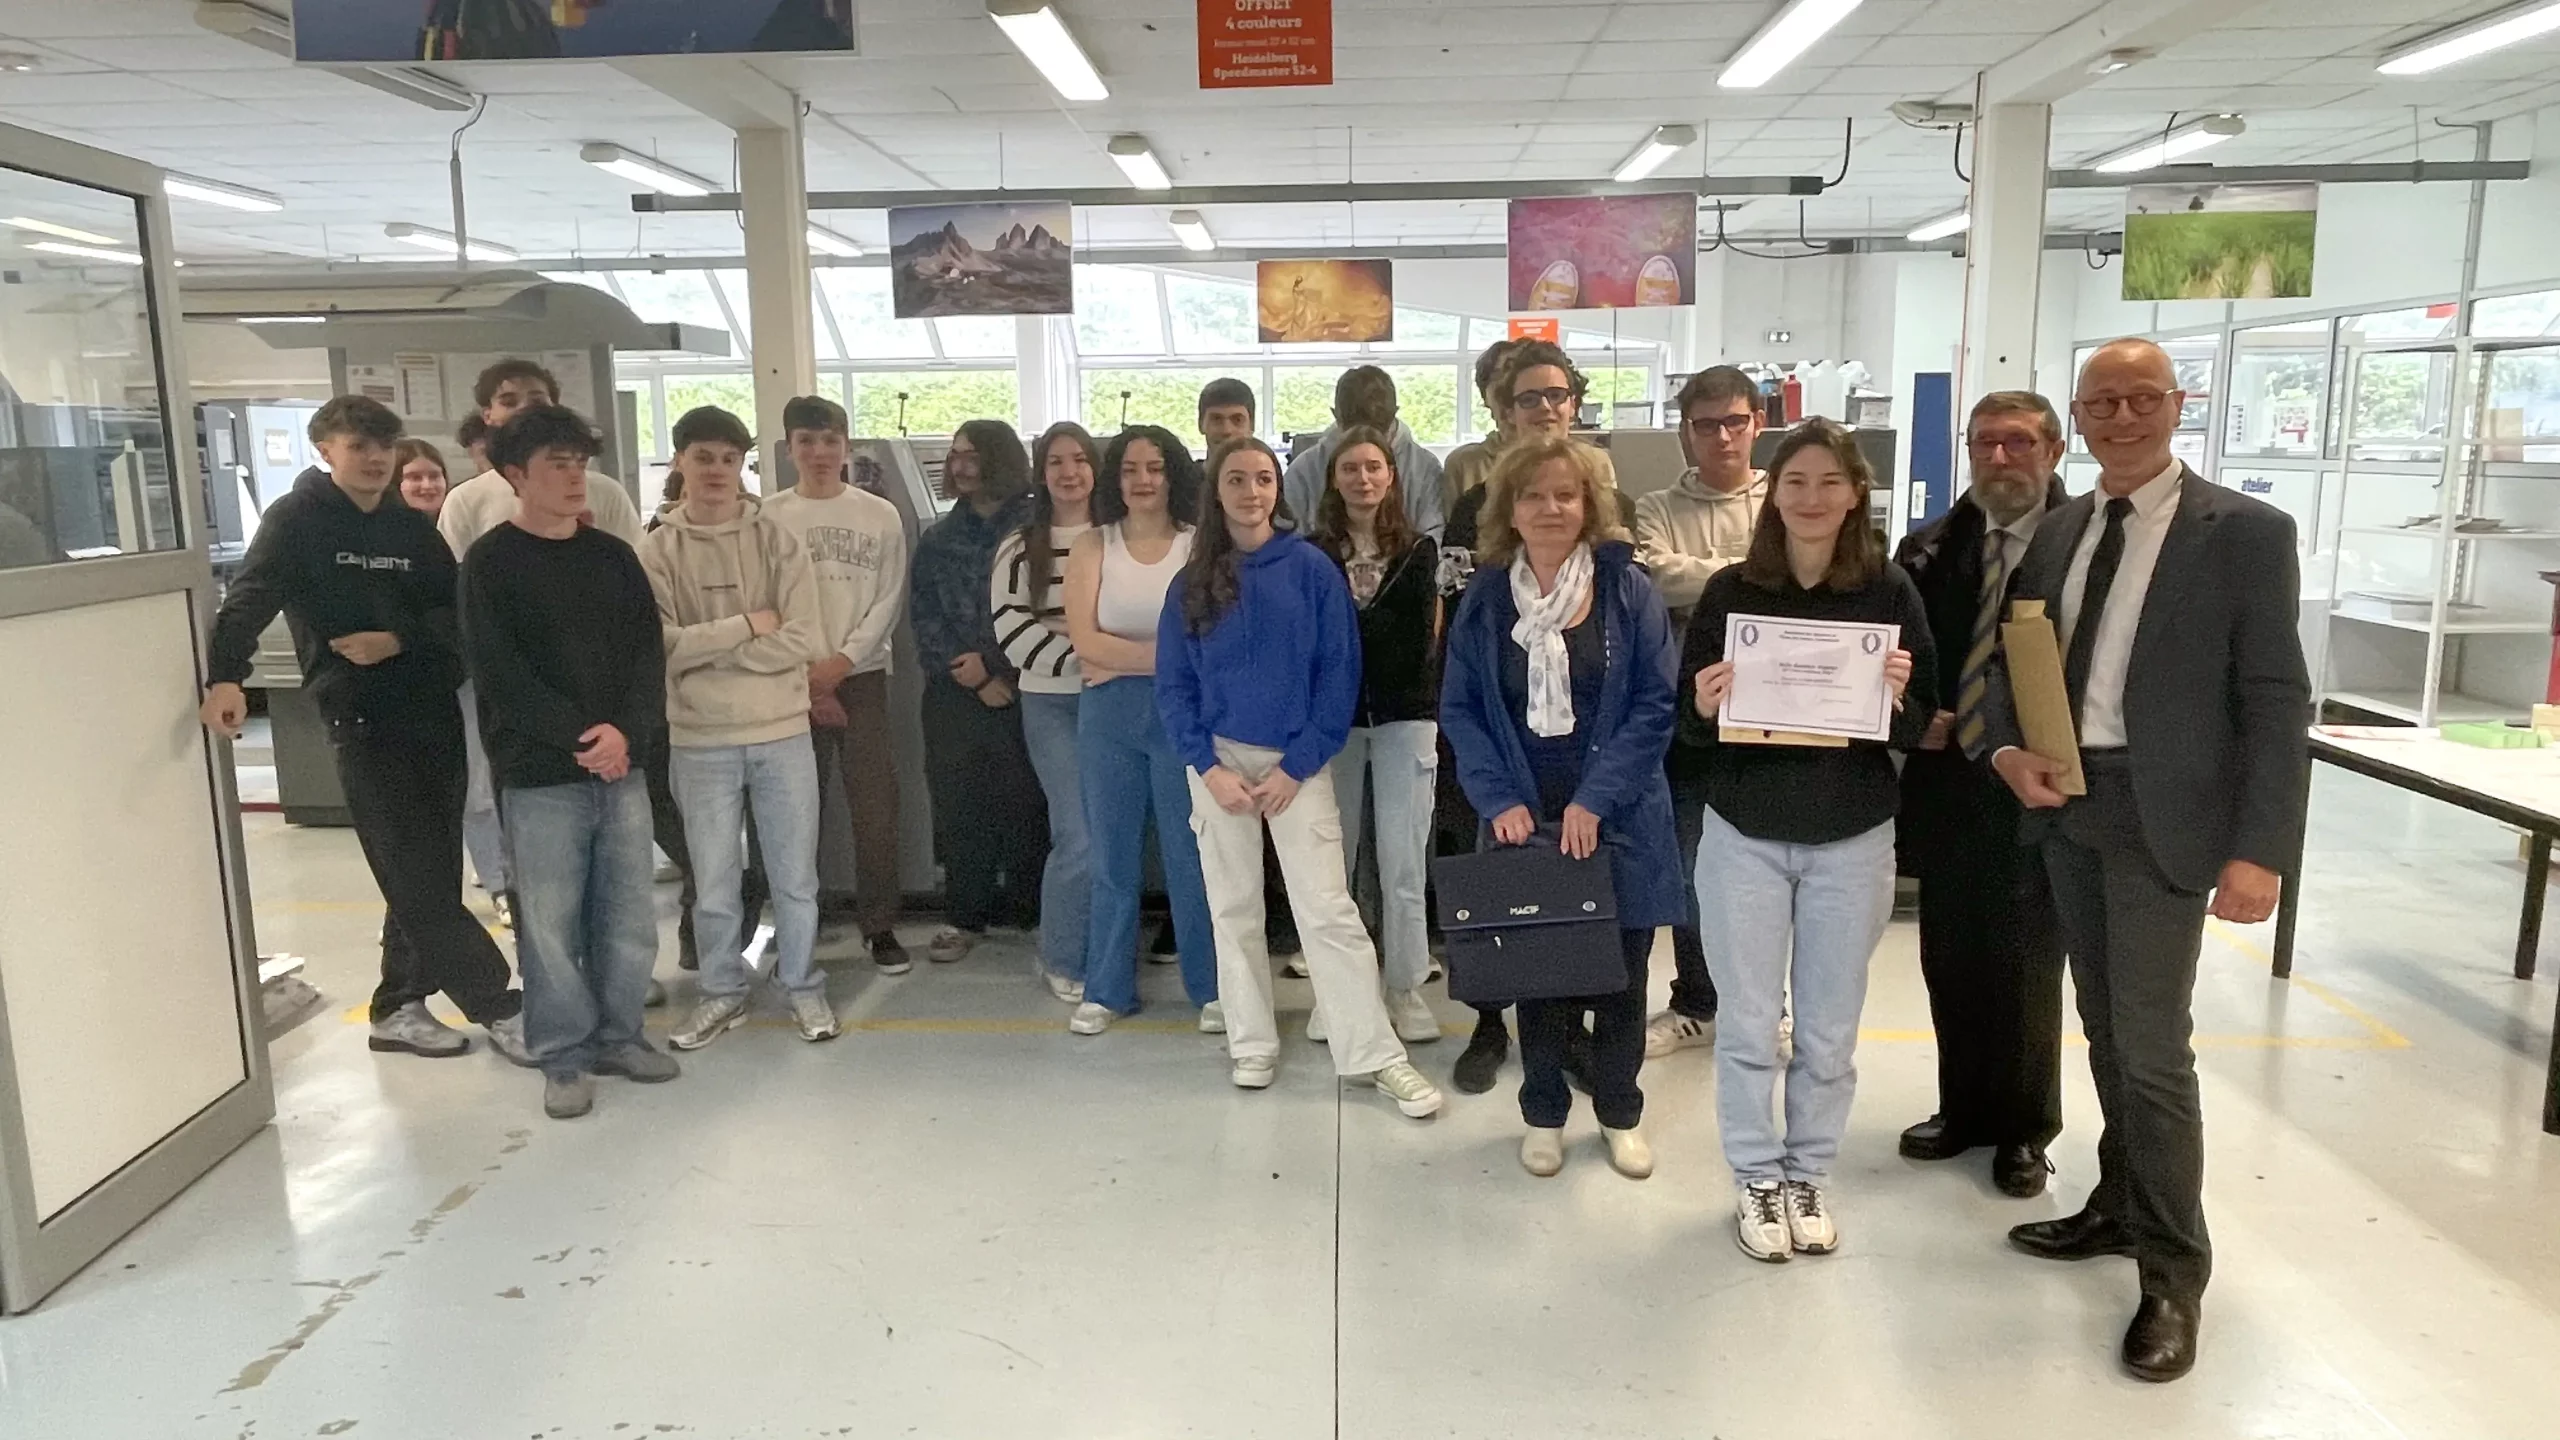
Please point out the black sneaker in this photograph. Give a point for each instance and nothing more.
(887, 955)
(1485, 1052)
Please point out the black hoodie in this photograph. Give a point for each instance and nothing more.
(335, 570)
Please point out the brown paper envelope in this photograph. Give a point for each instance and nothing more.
(2037, 689)
(1744, 735)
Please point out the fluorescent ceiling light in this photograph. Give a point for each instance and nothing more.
(216, 192)
(1779, 42)
(828, 242)
(283, 319)
(59, 232)
(1665, 142)
(2494, 31)
(85, 252)
(643, 171)
(1137, 160)
(1191, 231)
(2186, 140)
(1035, 29)
(1942, 227)
(442, 242)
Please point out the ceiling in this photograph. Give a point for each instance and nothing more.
(1424, 90)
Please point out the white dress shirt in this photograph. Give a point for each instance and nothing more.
(2154, 506)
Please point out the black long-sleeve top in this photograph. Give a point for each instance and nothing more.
(1400, 640)
(561, 636)
(1795, 794)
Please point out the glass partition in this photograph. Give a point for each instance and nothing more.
(85, 469)
(2279, 390)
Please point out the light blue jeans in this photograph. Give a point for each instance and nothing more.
(1066, 886)
(586, 916)
(1773, 914)
(1129, 770)
(482, 834)
(714, 785)
(1400, 763)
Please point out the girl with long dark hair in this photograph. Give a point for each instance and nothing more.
(1028, 594)
(1117, 576)
(1393, 749)
(1259, 671)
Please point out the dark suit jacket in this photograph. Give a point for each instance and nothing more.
(2217, 700)
(1953, 808)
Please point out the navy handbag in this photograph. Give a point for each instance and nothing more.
(1527, 922)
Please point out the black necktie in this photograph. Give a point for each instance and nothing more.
(2093, 604)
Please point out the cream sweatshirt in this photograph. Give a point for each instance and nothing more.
(1685, 534)
(727, 685)
(857, 545)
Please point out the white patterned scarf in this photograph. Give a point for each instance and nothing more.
(1540, 631)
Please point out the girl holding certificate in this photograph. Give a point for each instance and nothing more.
(1559, 705)
(1795, 867)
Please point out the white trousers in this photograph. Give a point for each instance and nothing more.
(1340, 959)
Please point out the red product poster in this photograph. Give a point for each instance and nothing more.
(1608, 252)
(1537, 327)
(1248, 44)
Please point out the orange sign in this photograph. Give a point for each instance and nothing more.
(1247, 44)
(1537, 327)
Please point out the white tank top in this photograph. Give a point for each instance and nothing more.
(1132, 597)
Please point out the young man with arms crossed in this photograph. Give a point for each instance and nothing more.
(561, 632)
(857, 546)
(369, 592)
(1684, 535)
(738, 606)
(473, 509)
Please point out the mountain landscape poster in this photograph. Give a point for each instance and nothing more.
(1006, 259)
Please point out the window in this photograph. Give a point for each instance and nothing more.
(682, 296)
(1211, 317)
(1302, 398)
(1116, 311)
(2517, 316)
(934, 401)
(1427, 400)
(735, 393)
(860, 299)
(1432, 330)
(976, 336)
(2279, 389)
(648, 440)
(1170, 398)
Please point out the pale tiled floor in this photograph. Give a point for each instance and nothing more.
(959, 1221)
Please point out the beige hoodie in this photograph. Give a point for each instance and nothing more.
(726, 685)
(1687, 533)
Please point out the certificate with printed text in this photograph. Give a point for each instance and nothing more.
(1812, 677)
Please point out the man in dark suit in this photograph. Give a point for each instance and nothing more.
(2175, 603)
(1990, 945)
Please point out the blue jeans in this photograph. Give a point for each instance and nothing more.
(586, 917)
(714, 784)
(1066, 883)
(1399, 762)
(482, 835)
(1130, 768)
(1771, 913)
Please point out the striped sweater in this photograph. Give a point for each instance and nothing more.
(1036, 641)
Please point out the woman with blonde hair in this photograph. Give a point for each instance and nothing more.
(1559, 706)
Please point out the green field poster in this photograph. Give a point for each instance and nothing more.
(2219, 242)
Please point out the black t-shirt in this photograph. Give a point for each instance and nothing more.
(1801, 795)
(561, 636)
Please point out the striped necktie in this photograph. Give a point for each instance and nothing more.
(1974, 680)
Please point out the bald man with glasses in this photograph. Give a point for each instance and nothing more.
(2175, 603)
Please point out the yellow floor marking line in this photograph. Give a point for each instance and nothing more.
(2384, 1037)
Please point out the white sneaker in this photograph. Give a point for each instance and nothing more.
(1414, 1095)
(950, 944)
(712, 1016)
(1542, 1151)
(1809, 1224)
(414, 1030)
(1315, 1025)
(1629, 1155)
(1412, 1017)
(507, 1038)
(1069, 992)
(1669, 1030)
(1213, 1019)
(817, 1018)
(1254, 1072)
(1091, 1018)
(1760, 1221)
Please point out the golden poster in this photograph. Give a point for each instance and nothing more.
(1327, 302)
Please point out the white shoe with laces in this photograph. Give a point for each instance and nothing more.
(1810, 1227)
(414, 1030)
(1760, 1221)
(711, 1018)
(1213, 1019)
(1091, 1018)
(816, 1018)
(1416, 1096)
(1069, 992)
(1254, 1072)
(1669, 1031)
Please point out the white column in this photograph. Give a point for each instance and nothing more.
(775, 189)
(2004, 251)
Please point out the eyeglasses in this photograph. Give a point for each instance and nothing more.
(2013, 444)
(1734, 426)
(2145, 403)
(1554, 397)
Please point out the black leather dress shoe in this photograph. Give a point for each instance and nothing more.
(2084, 1236)
(2160, 1345)
(1932, 1140)
(2019, 1170)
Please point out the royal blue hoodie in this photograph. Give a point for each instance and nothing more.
(1280, 670)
